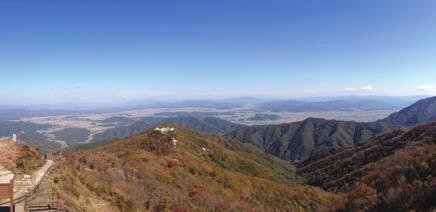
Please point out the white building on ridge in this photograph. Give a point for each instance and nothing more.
(165, 129)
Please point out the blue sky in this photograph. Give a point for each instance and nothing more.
(102, 50)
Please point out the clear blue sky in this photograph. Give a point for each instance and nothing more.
(101, 50)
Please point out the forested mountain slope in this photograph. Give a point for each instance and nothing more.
(392, 172)
(298, 140)
(148, 171)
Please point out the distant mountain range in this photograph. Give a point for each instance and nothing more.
(312, 104)
(206, 103)
(18, 112)
(398, 101)
(333, 105)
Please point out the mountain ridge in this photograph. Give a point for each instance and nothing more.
(421, 112)
(201, 124)
(297, 140)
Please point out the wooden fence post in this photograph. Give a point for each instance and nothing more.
(26, 202)
(53, 202)
(11, 195)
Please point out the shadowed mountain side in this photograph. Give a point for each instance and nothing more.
(295, 141)
(392, 172)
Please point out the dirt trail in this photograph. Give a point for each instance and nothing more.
(27, 183)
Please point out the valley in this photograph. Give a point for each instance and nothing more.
(96, 124)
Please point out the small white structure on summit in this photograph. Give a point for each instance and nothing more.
(165, 129)
(175, 142)
(14, 137)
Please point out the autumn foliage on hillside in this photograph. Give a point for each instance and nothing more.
(20, 158)
(393, 172)
(148, 172)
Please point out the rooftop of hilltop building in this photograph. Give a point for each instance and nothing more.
(165, 129)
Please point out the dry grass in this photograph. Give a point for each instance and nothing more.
(20, 158)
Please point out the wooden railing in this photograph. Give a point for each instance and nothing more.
(55, 202)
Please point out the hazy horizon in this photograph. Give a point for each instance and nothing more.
(162, 102)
